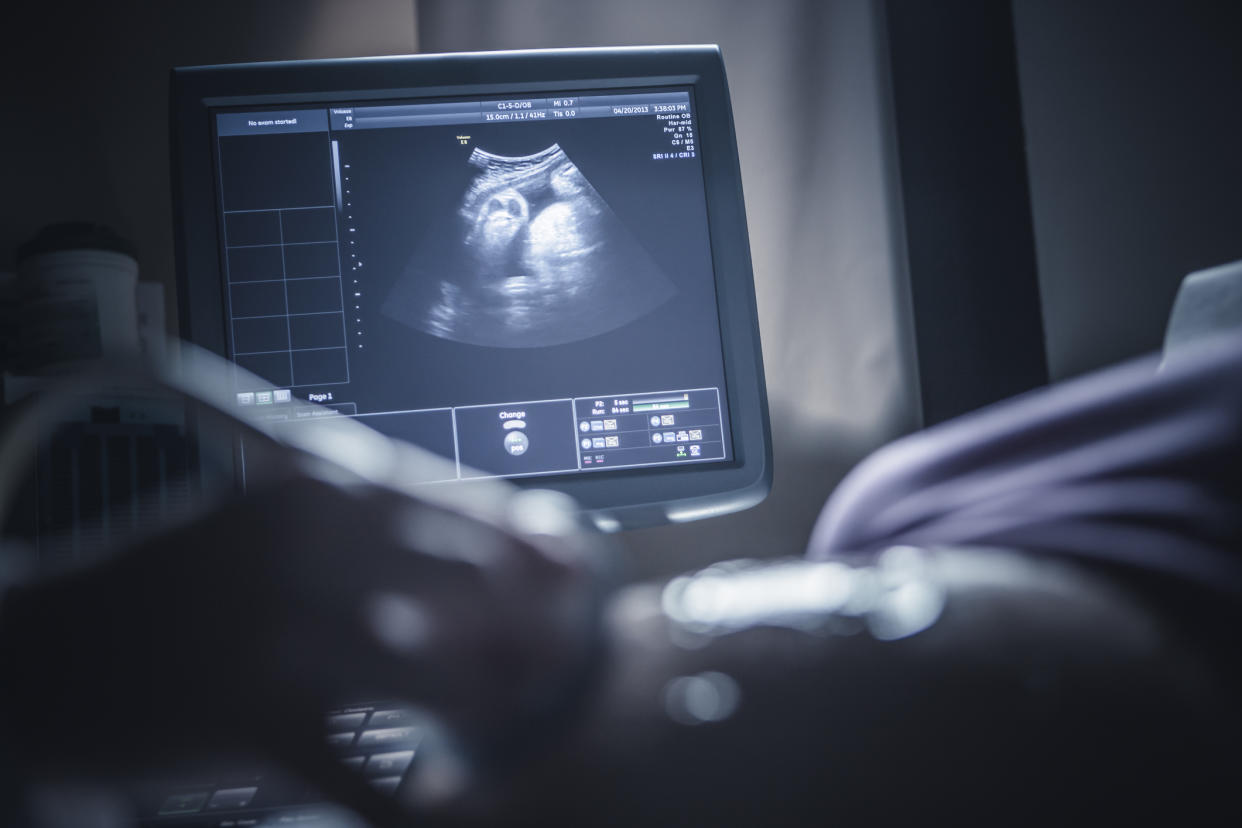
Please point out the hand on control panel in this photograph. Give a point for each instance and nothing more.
(238, 630)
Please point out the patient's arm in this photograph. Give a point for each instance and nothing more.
(956, 685)
(1096, 668)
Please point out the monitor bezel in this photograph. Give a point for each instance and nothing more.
(625, 498)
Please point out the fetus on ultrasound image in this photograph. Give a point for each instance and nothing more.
(535, 257)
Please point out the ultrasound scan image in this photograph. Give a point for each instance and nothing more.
(534, 257)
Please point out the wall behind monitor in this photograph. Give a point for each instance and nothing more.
(1132, 125)
(85, 95)
(809, 96)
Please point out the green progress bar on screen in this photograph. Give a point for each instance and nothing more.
(663, 403)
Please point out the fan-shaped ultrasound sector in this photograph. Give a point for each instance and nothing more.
(533, 257)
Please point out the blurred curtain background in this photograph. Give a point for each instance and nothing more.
(85, 91)
(1130, 139)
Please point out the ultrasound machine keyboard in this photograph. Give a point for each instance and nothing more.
(380, 741)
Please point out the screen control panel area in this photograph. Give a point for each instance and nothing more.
(512, 439)
(543, 437)
(649, 429)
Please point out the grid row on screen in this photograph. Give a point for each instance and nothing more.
(285, 295)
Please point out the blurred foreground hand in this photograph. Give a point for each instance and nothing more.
(239, 629)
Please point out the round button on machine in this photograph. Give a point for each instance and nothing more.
(516, 443)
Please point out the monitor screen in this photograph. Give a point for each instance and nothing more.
(524, 278)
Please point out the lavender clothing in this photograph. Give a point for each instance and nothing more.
(1128, 465)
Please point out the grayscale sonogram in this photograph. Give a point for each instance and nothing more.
(536, 257)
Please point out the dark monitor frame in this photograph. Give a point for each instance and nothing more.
(624, 498)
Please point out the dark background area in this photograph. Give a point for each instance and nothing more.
(1129, 119)
(1131, 125)
(86, 100)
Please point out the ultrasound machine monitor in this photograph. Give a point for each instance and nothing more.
(534, 264)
